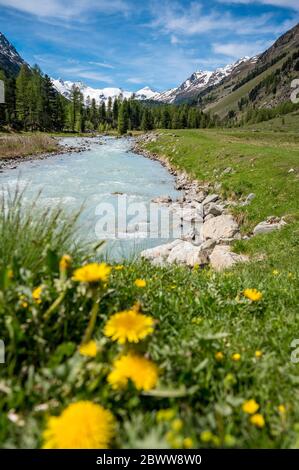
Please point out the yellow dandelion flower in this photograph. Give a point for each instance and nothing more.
(290, 275)
(65, 262)
(92, 272)
(36, 294)
(119, 267)
(258, 354)
(236, 357)
(250, 406)
(219, 356)
(206, 436)
(89, 349)
(275, 272)
(177, 425)
(257, 420)
(253, 294)
(129, 325)
(282, 409)
(165, 415)
(82, 425)
(141, 371)
(140, 283)
(188, 443)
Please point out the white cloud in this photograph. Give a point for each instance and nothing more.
(60, 9)
(135, 80)
(177, 20)
(293, 4)
(235, 50)
(102, 64)
(85, 73)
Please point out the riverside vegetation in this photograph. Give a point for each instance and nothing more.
(140, 356)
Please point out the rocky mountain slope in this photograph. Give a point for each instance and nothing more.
(203, 80)
(10, 59)
(264, 84)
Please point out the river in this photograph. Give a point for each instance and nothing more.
(109, 180)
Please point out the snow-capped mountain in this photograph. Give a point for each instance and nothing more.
(201, 80)
(101, 94)
(10, 60)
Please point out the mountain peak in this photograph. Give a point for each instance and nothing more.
(10, 60)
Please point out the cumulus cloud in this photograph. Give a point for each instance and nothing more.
(236, 50)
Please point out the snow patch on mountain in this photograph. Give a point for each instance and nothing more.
(101, 94)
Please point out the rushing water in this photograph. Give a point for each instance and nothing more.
(95, 177)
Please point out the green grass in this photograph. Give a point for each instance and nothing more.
(260, 162)
(198, 313)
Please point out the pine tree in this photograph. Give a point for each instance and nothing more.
(123, 118)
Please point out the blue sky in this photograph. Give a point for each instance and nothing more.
(130, 43)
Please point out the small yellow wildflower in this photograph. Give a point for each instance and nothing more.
(188, 443)
(140, 283)
(10, 274)
(165, 415)
(206, 436)
(23, 301)
(141, 371)
(82, 425)
(236, 357)
(257, 420)
(129, 325)
(119, 267)
(219, 356)
(173, 440)
(36, 294)
(250, 406)
(216, 441)
(290, 275)
(282, 409)
(92, 272)
(65, 262)
(253, 294)
(89, 349)
(275, 272)
(177, 425)
(229, 440)
(258, 354)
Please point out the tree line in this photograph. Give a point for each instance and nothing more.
(33, 104)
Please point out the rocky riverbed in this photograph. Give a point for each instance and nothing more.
(211, 229)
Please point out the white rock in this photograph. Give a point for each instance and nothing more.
(210, 198)
(267, 226)
(161, 251)
(223, 226)
(223, 258)
(212, 208)
(208, 217)
(187, 253)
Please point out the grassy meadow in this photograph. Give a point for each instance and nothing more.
(214, 367)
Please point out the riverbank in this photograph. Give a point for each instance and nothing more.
(16, 148)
